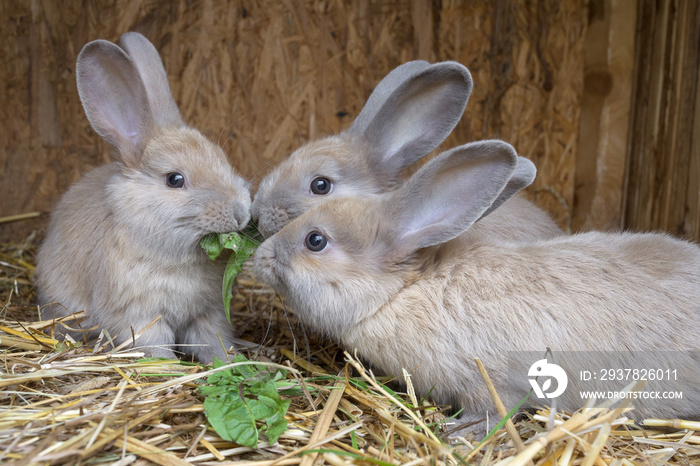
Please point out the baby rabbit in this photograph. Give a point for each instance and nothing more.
(395, 278)
(123, 243)
(411, 111)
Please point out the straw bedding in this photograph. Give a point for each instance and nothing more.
(81, 403)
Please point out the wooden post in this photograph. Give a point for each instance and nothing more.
(662, 184)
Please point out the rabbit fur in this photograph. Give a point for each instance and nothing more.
(123, 245)
(403, 283)
(410, 112)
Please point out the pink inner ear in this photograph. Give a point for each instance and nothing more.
(114, 98)
(134, 138)
(416, 121)
(417, 117)
(449, 193)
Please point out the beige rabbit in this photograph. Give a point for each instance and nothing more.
(411, 111)
(123, 243)
(399, 279)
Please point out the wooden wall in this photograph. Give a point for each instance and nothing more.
(562, 81)
(605, 106)
(662, 188)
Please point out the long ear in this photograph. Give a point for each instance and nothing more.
(114, 98)
(386, 86)
(448, 194)
(523, 176)
(416, 117)
(155, 80)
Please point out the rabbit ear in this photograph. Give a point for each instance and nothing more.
(386, 86)
(114, 98)
(448, 194)
(415, 117)
(154, 78)
(523, 176)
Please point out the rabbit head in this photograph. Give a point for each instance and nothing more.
(174, 185)
(410, 112)
(340, 262)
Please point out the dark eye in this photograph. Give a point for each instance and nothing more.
(321, 185)
(315, 241)
(175, 180)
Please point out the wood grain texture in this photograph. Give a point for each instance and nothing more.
(663, 169)
(605, 110)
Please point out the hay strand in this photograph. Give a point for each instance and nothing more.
(502, 411)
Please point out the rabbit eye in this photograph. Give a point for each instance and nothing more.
(175, 180)
(315, 242)
(321, 185)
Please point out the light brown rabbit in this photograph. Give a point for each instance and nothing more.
(123, 243)
(399, 279)
(411, 111)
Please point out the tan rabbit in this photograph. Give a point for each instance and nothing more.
(123, 243)
(411, 111)
(399, 278)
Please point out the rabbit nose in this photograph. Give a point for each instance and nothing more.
(255, 210)
(241, 214)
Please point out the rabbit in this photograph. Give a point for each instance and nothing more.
(123, 242)
(410, 112)
(398, 279)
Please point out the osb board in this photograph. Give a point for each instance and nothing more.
(261, 78)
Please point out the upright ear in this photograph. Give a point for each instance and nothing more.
(114, 98)
(155, 80)
(384, 89)
(448, 194)
(415, 117)
(523, 176)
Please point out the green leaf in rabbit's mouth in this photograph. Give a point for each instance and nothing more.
(242, 245)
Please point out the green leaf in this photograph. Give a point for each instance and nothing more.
(233, 241)
(233, 268)
(211, 244)
(243, 401)
(232, 420)
(242, 245)
(219, 363)
(277, 424)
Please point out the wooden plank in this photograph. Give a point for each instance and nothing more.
(661, 179)
(605, 115)
(692, 219)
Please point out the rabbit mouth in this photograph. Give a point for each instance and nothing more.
(224, 225)
(265, 263)
(271, 219)
(273, 222)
